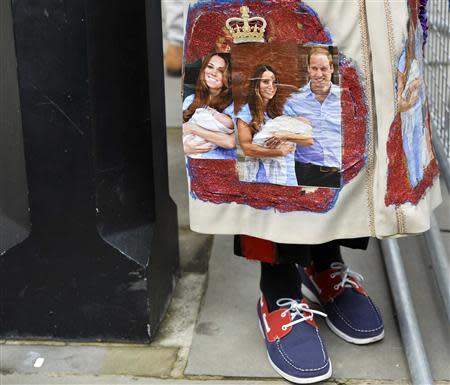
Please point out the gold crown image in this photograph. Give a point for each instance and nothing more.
(246, 29)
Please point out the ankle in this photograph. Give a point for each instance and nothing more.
(279, 281)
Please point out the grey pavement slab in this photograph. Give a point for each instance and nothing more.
(178, 325)
(173, 101)
(227, 341)
(194, 248)
(428, 304)
(127, 380)
(177, 175)
(133, 360)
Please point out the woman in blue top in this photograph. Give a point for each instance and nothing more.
(262, 106)
(213, 91)
(412, 106)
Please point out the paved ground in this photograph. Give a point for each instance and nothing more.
(203, 331)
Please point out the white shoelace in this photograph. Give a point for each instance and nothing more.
(349, 278)
(296, 309)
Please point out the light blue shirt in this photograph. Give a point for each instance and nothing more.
(326, 122)
(188, 101)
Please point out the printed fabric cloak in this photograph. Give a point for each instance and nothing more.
(370, 129)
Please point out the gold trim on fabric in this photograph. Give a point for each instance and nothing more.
(370, 174)
(400, 215)
(390, 31)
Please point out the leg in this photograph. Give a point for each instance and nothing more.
(174, 23)
(174, 20)
(294, 347)
(351, 313)
(323, 255)
(279, 281)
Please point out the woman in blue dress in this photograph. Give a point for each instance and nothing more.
(212, 96)
(262, 107)
(411, 102)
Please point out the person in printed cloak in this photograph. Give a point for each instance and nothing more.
(411, 101)
(174, 21)
(267, 161)
(319, 101)
(317, 271)
(208, 128)
(291, 272)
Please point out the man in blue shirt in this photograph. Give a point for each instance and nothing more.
(319, 101)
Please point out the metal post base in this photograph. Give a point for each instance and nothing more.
(419, 367)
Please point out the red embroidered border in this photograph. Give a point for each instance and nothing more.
(208, 21)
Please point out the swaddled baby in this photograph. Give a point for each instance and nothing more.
(281, 169)
(281, 123)
(204, 118)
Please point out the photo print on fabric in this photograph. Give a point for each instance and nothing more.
(208, 125)
(288, 114)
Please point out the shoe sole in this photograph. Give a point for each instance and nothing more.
(357, 341)
(296, 380)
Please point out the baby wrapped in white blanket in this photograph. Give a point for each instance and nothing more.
(280, 169)
(204, 118)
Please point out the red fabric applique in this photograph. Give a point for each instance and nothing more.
(258, 249)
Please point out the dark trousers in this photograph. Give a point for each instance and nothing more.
(309, 174)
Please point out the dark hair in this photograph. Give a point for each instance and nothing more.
(410, 48)
(255, 101)
(202, 95)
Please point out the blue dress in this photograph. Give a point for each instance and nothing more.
(413, 123)
(265, 173)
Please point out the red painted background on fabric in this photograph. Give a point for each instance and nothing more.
(285, 22)
(217, 181)
(399, 189)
